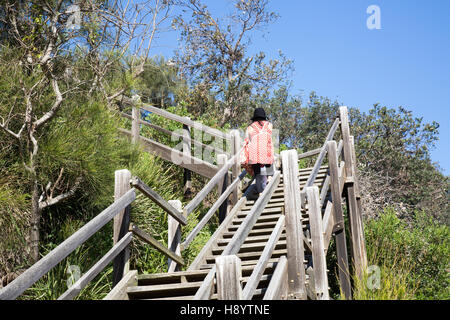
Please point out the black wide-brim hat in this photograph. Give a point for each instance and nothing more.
(259, 113)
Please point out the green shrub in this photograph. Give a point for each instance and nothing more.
(414, 257)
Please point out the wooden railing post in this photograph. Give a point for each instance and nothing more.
(318, 250)
(349, 189)
(174, 236)
(135, 126)
(187, 152)
(121, 224)
(222, 186)
(358, 203)
(228, 277)
(236, 169)
(294, 232)
(338, 217)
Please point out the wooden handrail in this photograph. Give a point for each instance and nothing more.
(183, 120)
(253, 215)
(258, 271)
(163, 204)
(318, 256)
(176, 135)
(326, 183)
(321, 156)
(195, 202)
(174, 117)
(194, 164)
(40, 268)
(328, 216)
(76, 288)
(212, 210)
(156, 244)
(278, 285)
(309, 153)
(241, 234)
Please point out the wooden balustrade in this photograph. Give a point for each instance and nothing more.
(44, 265)
(288, 280)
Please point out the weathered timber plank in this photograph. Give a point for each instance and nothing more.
(174, 236)
(121, 223)
(211, 211)
(228, 278)
(278, 285)
(156, 244)
(119, 292)
(294, 232)
(359, 205)
(254, 279)
(328, 219)
(309, 153)
(217, 234)
(319, 261)
(211, 147)
(352, 205)
(87, 277)
(338, 217)
(37, 270)
(183, 120)
(244, 229)
(160, 201)
(322, 154)
(200, 196)
(194, 164)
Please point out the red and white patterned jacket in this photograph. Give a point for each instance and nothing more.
(258, 142)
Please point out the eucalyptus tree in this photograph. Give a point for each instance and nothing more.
(215, 57)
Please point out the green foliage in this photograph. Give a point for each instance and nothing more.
(225, 80)
(396, 144)
(414, 259)
(14, 216)
(158, 84)
(63, 275)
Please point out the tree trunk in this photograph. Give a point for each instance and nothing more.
(35, 222)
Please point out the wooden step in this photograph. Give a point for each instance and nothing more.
(248, 264)
(172, 277)
(250, 256)
(250, 247)
(263, 225)
(253, 232)
(304, 177)
(187, 290)
(254, 239)
(272, 200)
(258, 295)
(262, 218)
(275, 205)
(163, 290)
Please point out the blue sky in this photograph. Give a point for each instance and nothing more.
(405, 63)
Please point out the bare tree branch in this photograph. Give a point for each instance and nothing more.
(54, 200)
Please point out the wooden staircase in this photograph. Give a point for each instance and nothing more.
(271, 248)
(183, 285)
